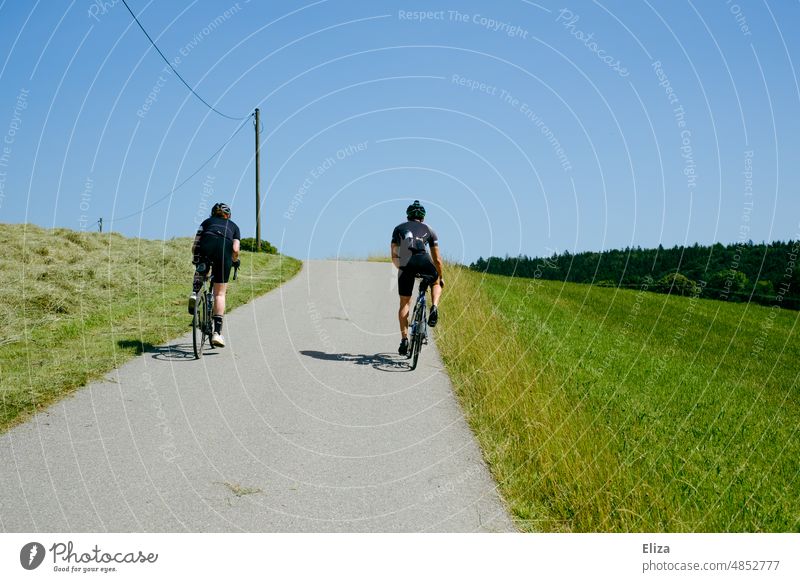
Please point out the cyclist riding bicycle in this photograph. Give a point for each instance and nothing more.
(410, 256)
(215, 247)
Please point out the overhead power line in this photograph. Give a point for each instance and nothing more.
(206, 103)
(192, 175)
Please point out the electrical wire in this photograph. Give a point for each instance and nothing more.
(192, 175)
(206, 103)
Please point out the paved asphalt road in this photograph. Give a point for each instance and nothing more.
(307, 421)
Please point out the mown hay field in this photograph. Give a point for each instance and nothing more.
(77, 305)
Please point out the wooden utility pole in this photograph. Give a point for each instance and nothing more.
(258, 181)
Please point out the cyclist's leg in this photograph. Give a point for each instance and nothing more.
(200, 273)
(222, 273)
(219, 298)
(205, 252)
(436, 293)
(402, 314)
(221, 287)
(405, 287)
(219, 305)
(220, 255)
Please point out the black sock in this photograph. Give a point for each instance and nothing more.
(217, 324)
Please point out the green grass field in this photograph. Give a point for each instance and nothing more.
(80, 304)
(601, 410)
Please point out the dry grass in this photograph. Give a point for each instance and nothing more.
(240, 490)
(81, 304)
(373, 257)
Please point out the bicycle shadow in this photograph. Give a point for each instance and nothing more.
(384, 362)
(169, 353)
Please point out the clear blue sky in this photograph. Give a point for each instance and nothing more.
(524, 127)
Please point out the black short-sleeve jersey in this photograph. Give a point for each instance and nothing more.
(413, 237)
(221, 227)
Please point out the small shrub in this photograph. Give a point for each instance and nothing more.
(728, 282)
(765, 290)
(249, 245)
(676, 284)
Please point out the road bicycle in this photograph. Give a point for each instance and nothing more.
(418, 332)
(202, 320)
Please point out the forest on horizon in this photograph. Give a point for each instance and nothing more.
(742, 272)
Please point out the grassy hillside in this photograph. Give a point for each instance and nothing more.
(608, 410)
(79, 304)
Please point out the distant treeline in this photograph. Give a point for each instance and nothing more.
(763, 273)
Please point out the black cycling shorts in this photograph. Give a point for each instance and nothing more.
(420, 264)
(216, 253)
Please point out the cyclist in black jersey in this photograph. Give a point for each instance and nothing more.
(215, 247)
(411, 257)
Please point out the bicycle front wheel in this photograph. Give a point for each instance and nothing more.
(416, 338)
(198, 328)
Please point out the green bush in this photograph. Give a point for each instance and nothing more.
(765, 289)
(728, 282)
(675, 283)
(249, 245)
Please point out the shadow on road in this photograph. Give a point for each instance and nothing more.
(383, 362)
(171, 353)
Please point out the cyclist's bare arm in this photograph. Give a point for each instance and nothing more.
(437, 259)
(395, 256)
(236, 248)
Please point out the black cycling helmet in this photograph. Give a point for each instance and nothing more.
(220, 208)
(416, 210)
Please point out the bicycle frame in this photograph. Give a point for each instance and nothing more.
(418, 331)
(204, 323)
(419, 307)
(205, 304)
